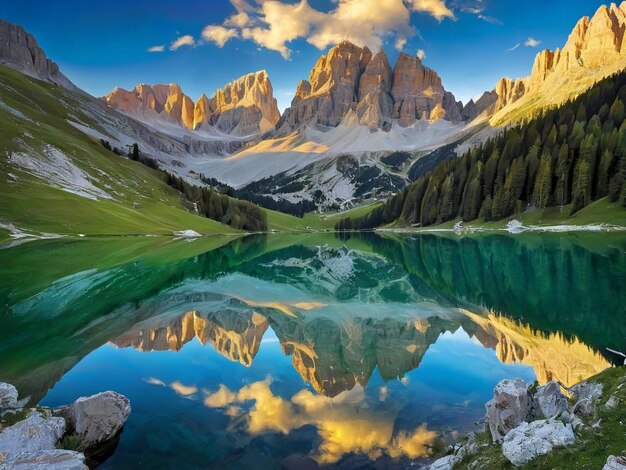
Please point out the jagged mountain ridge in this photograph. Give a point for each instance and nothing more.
(243, 107)
(19, 50)
(595, 49)
(350, 79)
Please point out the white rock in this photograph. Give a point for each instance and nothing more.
(8, 396)
(187, 234)
(527, 441)
(510, 406)
(99, 417)
(52, 459)
(586, 390)
(611, 403)
(444, 463)
(515, 226)
(548, 401)
(584, 407)
(615, 463)
(37, 432)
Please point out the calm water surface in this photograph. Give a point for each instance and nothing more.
(307, 350)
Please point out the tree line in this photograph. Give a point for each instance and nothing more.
(297, 209)
(241, 215)
(565, 157)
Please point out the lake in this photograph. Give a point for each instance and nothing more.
(305, 350)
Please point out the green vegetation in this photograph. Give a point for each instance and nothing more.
(569, 157)
(592, 447)
(35, 117)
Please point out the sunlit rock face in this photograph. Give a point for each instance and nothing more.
(551, 356)
(418, 93)
(351, 80)
(20, 50)
(234, 334)
(595, 49)
(243, 107)
(158, 102)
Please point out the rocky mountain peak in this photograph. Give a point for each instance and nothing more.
(596, 48)
(19, 50)
(245, 106)
(350, 79)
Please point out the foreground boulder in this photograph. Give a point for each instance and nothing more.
(510, 406)
(460, 452)
(39, 431)
(51, 459)
(97, 418)
(615, 463)
(8, 397)
(548, 401)
(528, 441)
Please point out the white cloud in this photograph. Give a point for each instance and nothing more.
(273, 24)
(219, 35)
(514, 47)
(532, 42)
(186, 40)
(436, 8)
(421, 54)
(400, 43)
(156, 49)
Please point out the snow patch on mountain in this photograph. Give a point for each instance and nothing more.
(57, 169)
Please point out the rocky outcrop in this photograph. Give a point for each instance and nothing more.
(418, 93)
(595, 49)
(528, 441)
(510, 406)
(98, 418)
(244, 107)
(165, 103)
(39, 431)
(349, 79)
(49, 459)
(19, 50)
(615, 463)
(548, 401)
(375, 105)
(8, 396)
(474, 109)
(32, 442)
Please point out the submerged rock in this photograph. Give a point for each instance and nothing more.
(8, 397)
(39, 431)
(51, 459)
(97, 418)
(510, 406)
(548, 401)
(615, 463)
(527, 441)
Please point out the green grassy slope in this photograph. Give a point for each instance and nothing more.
(33, 118)
(287, 223)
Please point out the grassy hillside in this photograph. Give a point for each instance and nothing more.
(45, 161)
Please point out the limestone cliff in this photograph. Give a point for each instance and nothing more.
(19, 50)
(244, 107)
(595, 49)
(349, 79)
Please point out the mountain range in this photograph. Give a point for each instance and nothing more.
(358, 129)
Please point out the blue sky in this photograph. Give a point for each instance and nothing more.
(103, 44)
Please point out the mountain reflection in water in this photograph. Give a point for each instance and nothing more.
(338, 310)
